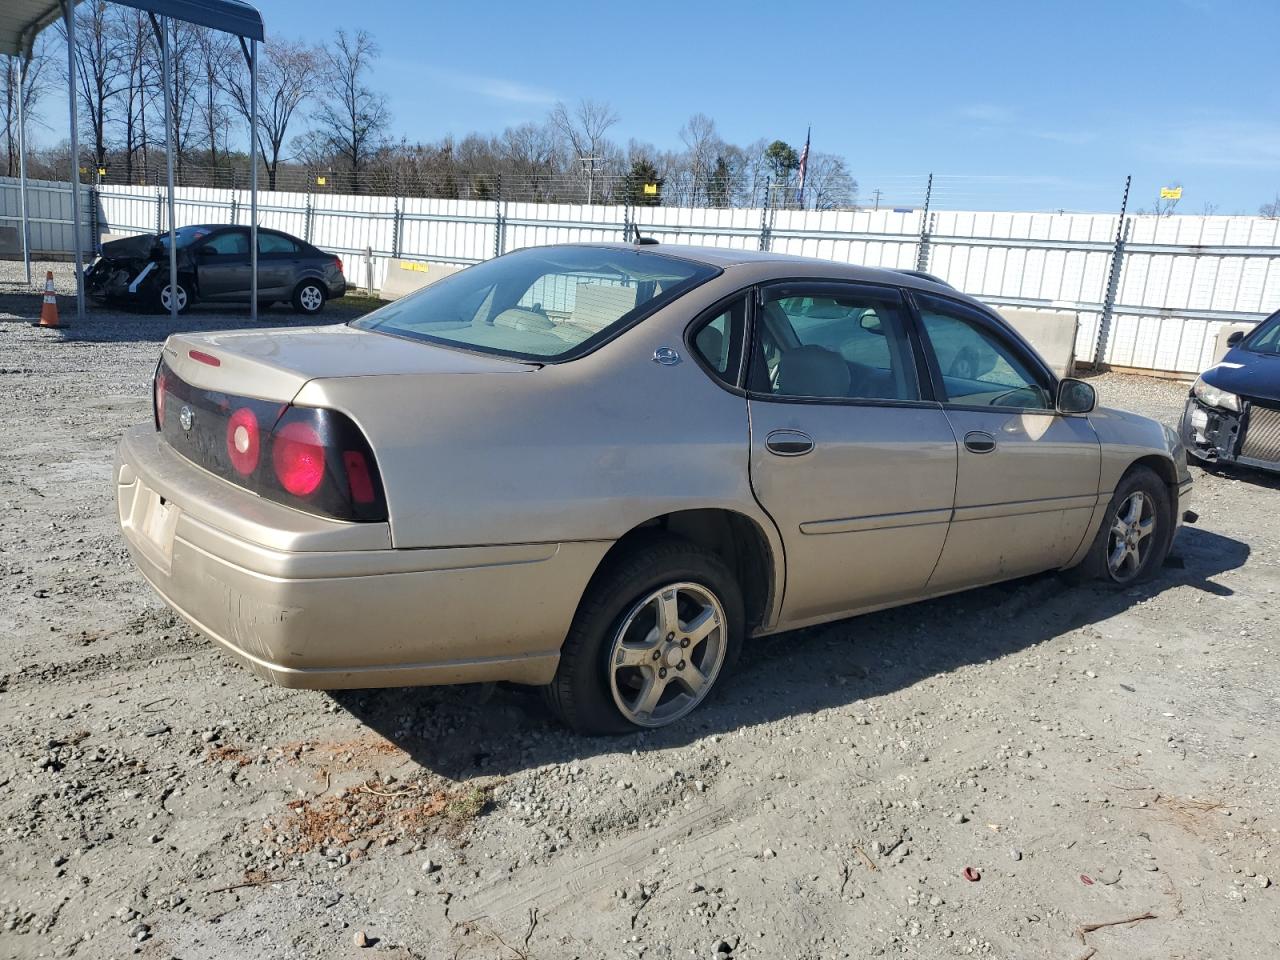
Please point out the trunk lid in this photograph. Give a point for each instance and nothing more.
(274, 364)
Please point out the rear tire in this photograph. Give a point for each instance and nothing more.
(1136, 532)
(309, 297)
(184, 296)
(624, 665)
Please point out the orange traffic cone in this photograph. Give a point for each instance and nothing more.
(49, 310)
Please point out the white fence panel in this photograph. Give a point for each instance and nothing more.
(48, 214)
(1182, 277)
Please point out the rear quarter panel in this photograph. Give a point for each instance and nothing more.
(584, 450)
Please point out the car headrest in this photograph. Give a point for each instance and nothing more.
(520, 319)
(813, 371)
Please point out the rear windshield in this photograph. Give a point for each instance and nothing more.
(547, 303)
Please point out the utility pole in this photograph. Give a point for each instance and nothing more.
(589, 165)
(877, 193)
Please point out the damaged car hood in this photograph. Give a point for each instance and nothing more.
(140, 247)
(1248, 374)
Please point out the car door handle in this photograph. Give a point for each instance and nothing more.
(978, 441)
(788, 443)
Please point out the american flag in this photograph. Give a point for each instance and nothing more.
(804, 163)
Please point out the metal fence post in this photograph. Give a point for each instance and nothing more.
(306, 217)
(926, 228)
(235, 203)
(159, 209)
(764, 216)
(1113, 280)
(499, 220)
(395, 228)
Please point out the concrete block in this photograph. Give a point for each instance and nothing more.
(1226, 330)
(406, 276)
(10, 242)
(1051, 332)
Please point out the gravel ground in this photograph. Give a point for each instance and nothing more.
(1094, 757)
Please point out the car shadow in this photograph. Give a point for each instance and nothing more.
(463, 732)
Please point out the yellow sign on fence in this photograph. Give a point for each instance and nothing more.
(650, 189)
(1170, 193)
(321, 181)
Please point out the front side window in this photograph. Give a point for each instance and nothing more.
(978, 367)
(230, 244)
(835, 343)
(546, 303)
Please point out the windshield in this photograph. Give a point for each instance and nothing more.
(544, 303)
(1265, 338)
(184, 236)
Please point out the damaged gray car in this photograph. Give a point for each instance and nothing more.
(214, 266)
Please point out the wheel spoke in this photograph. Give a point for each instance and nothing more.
(1133, 508)
(1119, 529)
(1118, 552)
(692, 679)
(668, 612)
(634, 655)
(700, 627)
(1146, 528)
(650, 693)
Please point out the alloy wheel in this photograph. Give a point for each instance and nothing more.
(166, 298)
(667, 653)
(311, 299)
(1129, 542)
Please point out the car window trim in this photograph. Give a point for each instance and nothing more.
(1001, 331)
(704, 317)
(924, 383)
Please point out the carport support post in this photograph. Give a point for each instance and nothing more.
(253, 179)
(161, 28)
(69, 15)
(23, 62)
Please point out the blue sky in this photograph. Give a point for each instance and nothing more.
(1013, 104)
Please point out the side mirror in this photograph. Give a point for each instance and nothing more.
(1234, 339)
(1076, 396)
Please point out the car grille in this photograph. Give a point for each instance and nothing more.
(1262, 436)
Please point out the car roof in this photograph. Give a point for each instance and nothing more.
(767, 262)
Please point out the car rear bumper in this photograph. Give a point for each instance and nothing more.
(313, 603)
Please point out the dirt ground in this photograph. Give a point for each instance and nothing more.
(1094, 757)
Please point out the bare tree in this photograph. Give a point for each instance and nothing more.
(702, 146)
(1271, 209)
(214, 51)
(37, 81)
(828, 184)
(583, 129)
(98, 70)
(353, 116)
(138, 59)
(286, 80)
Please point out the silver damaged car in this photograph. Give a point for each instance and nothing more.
(603, 468)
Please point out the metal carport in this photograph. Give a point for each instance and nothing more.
(22, 20)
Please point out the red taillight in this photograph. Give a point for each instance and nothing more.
(337, 262)
(201, 357)
(298, 457)
(244, 441)
(358, 477)
(161, 384)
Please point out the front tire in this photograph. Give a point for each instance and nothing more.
(164, 296)
(309, 297)
(1136, 533)
(658, 626)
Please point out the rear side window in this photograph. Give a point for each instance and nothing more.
(834, 342)
(718, 341)
(274, 243)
